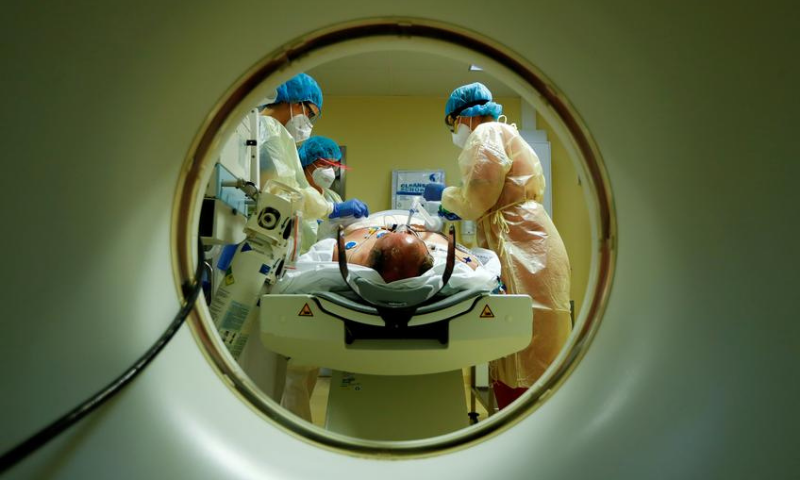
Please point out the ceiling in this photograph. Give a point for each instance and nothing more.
(400, 73)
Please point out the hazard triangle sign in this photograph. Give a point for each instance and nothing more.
(487, 312)
(305, 311)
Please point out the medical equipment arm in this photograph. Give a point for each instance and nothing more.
(249, 188)
(259, 260)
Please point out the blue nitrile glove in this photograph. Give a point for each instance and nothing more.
(447, 214)
(433, 192)
(350, 208)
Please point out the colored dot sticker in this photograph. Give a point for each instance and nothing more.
(349, 245)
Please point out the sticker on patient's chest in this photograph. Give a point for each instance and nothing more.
(349, 245)
(382, 233)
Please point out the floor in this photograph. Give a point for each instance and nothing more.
(319, 400)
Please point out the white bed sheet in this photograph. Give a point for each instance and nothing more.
(316, 272)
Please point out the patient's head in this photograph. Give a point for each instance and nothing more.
(400, 255)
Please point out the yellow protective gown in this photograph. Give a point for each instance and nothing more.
(502, 189)
(280, 161)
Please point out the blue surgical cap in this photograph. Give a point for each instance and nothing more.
(318, 147)
(472, 100)
(300, 88)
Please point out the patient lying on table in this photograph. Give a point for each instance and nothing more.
(384, 250)
(399, 254)
(405, 256)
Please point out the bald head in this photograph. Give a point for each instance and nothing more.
(400, 255)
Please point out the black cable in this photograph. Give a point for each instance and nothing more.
(39, 439)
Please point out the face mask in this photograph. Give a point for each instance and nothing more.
(461, 134)
(323, 177)
(299, 127)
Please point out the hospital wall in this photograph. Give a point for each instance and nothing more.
(384, 133)
(570, 213)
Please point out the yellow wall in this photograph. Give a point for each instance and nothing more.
(387, 133)
(390, 133)
(570, 214)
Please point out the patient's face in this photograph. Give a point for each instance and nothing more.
(399, 255)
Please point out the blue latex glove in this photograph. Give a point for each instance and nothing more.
(447, 214)
(433, 192)
(350, 208)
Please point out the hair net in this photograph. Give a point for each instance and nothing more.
(300, 88)
(472, 100)
(318, 147)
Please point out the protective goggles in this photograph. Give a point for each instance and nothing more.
(311, 111)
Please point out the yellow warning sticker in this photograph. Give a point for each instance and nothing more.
(305, 311)
(229, 279)
(487, 312)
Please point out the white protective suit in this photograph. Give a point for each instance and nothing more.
(502, 189)
(280, 161)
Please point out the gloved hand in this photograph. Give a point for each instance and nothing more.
(447, 214)
(350, 208)
(433, 192)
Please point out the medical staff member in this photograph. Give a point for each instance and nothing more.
(502, 189)
(286, 122)
(287, 118)
(321, 160)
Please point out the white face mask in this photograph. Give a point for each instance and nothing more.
(323, 177)
(461, 134)
(299, 127)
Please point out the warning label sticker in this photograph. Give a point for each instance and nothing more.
(487, 312)
(305, 311)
